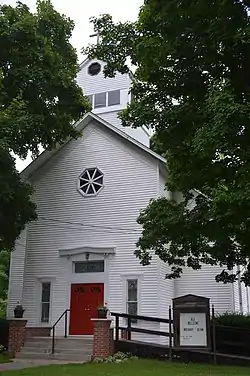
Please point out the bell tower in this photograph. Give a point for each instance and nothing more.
(108, 96)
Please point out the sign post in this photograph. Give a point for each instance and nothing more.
(191, 322)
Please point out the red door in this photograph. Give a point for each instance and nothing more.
(85, 299)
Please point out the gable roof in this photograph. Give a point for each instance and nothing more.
(87, 60)
(80, 125)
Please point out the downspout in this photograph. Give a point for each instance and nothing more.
(240, 290)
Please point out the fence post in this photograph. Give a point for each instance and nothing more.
(53, 341)
(66, 325)
(170, 332)
(117, 328)
(129, 327)
(214, 336)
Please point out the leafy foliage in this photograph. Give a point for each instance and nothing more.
(233, 319)
(118, 357)
(4, 275)
(191, 85)
(39, 100)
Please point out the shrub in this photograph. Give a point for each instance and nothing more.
(4, 333)
(2, 308)
(119, 357)
(233, 319)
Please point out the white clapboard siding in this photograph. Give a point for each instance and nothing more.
(17, 266)
(245, 299)
(236, 298)
(241, 295)
(202, 282)
(241, 298)
(137, 133)
(130, 178)
(98, 83)
(112, 118)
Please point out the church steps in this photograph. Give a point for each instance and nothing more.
(72, 349)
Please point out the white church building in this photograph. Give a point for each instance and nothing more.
(80, 252)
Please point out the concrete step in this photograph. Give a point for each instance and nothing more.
(71, 348)
(62, 343)
(57, 349)
(65, 346)
(68, 339)
(63, 356)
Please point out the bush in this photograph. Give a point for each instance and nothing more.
(4, 333)
(2, 308)
(119, 357)
(233, 319)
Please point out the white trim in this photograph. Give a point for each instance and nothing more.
(80, 177)
(247, 298)
(125, 278)
(40, 281)
(78, 278)
(158, 178)
(80, 125)
(85, 61)
(86, 249)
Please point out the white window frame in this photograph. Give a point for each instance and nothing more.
(134, 321)
(86, 261)
(42, 303)
(117, 104)
(79, 182)
(94, 96)
(125, 278)
(42, 280)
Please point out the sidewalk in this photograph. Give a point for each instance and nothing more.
(25, 363)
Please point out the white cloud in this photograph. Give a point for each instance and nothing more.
(80, 11)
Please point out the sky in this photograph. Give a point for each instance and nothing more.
(80, 12)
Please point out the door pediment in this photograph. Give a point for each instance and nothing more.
(87, 250)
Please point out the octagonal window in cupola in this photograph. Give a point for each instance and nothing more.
(90, 182)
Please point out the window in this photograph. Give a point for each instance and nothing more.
(132, 298)
(100, 100)
(113, 97)
(45, 301)
(90, 97)
(90, 182)
(96, 266)
(94, 69)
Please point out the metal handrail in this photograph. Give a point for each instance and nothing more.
(65, 313)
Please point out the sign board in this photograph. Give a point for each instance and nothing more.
(191, 322)
(193, 329)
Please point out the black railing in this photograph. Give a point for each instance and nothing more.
(129, 328)
(65, 313)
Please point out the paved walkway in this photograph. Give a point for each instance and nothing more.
(25, 363)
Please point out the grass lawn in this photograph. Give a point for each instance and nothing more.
(4, 358)
(132, 368)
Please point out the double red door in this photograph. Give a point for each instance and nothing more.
(85, 299)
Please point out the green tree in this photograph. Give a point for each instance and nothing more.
(4, 275)
(192, 85)
(39, 100)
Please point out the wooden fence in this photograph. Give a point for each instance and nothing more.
(229, 345)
